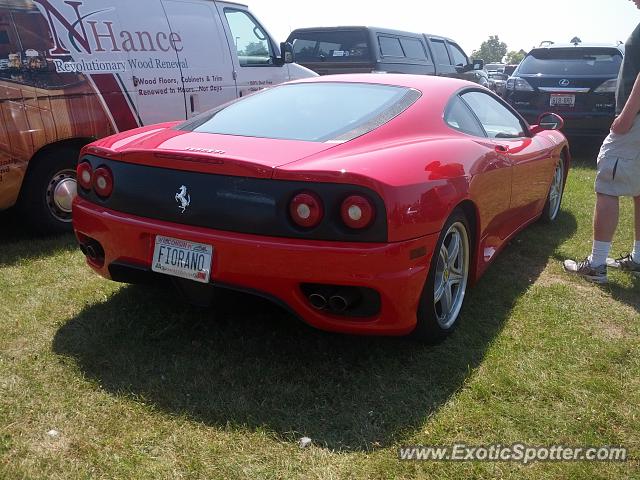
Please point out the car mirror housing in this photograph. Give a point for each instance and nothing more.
(478, 64)
(286, 53)
(547, 121)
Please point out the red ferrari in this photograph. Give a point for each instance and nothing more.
(364, 204)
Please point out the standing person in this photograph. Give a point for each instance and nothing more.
(618, 173)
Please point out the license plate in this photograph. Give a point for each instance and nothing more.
(182, 258)
(561, 100)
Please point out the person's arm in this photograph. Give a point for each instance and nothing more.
(623, 123)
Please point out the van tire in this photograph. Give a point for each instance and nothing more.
(47, 191)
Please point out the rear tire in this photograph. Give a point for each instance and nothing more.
(445, 288)
(552, 206)
(47, 191)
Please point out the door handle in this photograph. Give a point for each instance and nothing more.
(502, 149)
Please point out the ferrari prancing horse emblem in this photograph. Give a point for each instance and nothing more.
(184, 198)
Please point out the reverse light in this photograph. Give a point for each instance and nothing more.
(518, 84)
(357, 212)
(103, 182)
(84, 174)
(306, 210)
(609, 86)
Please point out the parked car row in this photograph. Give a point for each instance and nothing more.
(373, 200)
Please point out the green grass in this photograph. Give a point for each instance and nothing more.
(139, 385)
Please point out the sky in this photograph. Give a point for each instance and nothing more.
(520, 24)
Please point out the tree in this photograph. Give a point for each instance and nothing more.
(491, 51)
(513, 57)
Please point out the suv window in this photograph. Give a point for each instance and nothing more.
(440, 52)
(252, 43)
(336, 45)
(459, 116)
(459, 57)
(498, 121)
(572, 61)
(390, 47)
(413, 48)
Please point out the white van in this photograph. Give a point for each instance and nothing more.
(75, 71)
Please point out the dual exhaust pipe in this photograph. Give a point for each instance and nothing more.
(338, 301)
(91, 249)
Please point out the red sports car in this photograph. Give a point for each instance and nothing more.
(363, 203)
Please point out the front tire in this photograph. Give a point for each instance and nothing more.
(444, 291)
(48, 190)
(554, 198)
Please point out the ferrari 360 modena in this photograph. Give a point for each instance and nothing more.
(363, 204)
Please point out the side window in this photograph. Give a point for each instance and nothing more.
(390, 47)
(459, 58)
(440, 52)
(497, 120)
(304, 49)
(251, 41)
(459, 116)
(413, 48)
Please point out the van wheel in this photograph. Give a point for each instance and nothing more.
(48, 191)
(554, 199)
(444, 291)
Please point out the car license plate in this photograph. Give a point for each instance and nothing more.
(562, 100)
(182, 258)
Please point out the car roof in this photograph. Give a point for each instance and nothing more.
(439, 85)
(365, 27)
(579, 45)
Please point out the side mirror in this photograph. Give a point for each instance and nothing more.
(477, 64)
(547, 121)
(286, 53)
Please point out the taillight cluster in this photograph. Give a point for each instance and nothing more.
(306, 210)
(99, 180)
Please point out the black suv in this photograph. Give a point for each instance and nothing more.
(576, 81)
(333, 50)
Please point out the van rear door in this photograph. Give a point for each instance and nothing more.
(205, 66)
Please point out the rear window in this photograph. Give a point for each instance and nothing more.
(333, 46)
(572, 61)
(315, 112)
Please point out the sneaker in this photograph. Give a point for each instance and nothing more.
(586, 271)
(624, 263)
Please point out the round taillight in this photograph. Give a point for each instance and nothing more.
(357, 212)
(84, 174)
(306, 210)
(103, 182)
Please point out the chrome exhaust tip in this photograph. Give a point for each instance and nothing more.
(318, 301)
(343, 300)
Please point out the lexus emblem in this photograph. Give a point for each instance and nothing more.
(564, 82)
(183, 198)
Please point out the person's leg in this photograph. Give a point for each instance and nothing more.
(605, 218)
(630, 262)
(605, 222)
(636, 247)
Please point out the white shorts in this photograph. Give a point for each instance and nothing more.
(619, 164)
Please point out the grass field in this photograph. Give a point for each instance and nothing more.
(140, 385)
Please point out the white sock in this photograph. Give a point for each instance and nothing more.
(636, 252)
(599, 253)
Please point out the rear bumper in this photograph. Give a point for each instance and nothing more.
(276, 267)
